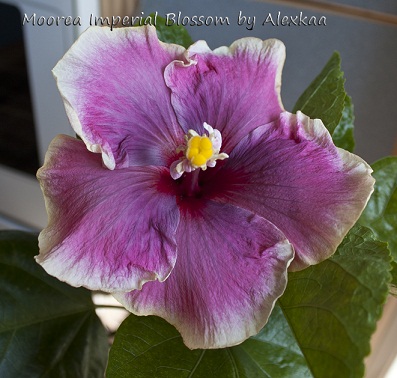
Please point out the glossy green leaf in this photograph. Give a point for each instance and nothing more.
(150, 347)
(333, 307)
(325, 96)
(321, 327)
(47, 328)
(172, 33)
(343, 135)
(380, 215)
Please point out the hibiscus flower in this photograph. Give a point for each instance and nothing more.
(192, 191)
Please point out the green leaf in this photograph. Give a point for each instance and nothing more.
(333, 307)
(380, 215)
(321, 327)
(325, 96)
(150, 347)
(343, 136)
(172, 33)
(47, 328)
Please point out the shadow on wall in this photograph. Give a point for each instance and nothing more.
(18, 147)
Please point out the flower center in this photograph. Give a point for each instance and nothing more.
(199, 150)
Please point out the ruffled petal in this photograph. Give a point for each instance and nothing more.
(231, 268)
(291, 173)
(235, 89)
(112, 85)
(107, 230)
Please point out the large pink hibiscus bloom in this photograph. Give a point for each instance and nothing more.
(201, 191)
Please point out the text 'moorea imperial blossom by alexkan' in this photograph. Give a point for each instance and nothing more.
(192, 191)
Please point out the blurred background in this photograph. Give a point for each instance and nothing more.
(32, 113)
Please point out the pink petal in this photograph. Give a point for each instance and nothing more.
(230, 270)
(112, 84)
(107, 230)
(290, 173)
(233, 89)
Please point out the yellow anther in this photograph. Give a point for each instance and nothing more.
(199, 150)
(198, 160)
(205, 143)
(206, 153)
(195, 141)
(192, 152)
